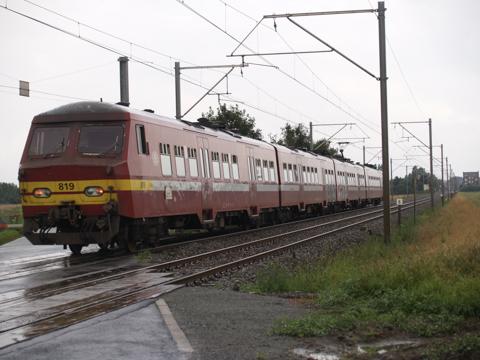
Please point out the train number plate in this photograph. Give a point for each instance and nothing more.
(66, 186)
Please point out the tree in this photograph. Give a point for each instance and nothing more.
(233, 119)
(299, 137)
(9, 193)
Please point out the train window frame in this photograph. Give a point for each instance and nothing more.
(258, 169)
(179, 153)
(290, 172)
(192, 162)
(226, 166)
(64, 144)
(235, 170)
(295, 173)
(165, 159)
(272, 171)
(216, 165)
(206, 164)
(266, 174)
(142, 145)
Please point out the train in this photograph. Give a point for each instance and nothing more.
(103, 173)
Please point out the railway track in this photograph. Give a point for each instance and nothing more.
(35, 264)
(112, 289)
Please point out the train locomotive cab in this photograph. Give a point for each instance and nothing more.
(67, 171)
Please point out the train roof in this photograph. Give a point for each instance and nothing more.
(86, 110)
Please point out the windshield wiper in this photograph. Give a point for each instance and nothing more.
(106, 151)
(59, 147)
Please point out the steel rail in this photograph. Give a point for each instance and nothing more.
(156, 289)
(177, 262)
(267, 253)
(183, 261)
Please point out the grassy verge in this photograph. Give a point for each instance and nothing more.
(10, 214)
(9, 235)
(425, 283)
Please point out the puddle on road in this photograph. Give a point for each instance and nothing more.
(314, 355)
(383, 346)
(380, 347)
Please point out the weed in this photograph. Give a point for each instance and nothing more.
(465, 347)
(425, 282)
(144, 256)
(9, 235)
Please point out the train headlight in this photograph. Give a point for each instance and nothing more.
(42, 193)
(93, 191)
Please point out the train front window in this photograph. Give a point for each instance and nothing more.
(101, 140)
(49, 141)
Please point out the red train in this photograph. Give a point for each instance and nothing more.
(95, 172)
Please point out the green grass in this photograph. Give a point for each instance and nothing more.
(425, 283)
(10, 214)
(460, 347)
(9, 235)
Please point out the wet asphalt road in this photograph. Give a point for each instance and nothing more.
(135, 331)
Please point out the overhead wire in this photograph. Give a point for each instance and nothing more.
(302, 84)
(46, 93)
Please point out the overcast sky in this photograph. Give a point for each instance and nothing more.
(434, 43)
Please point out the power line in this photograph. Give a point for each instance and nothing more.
(397, 62)
(46, 93)
(73, 72)
(131, 43)
(181, 2)
(300, 58)
(144, 62)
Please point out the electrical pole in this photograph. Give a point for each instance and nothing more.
(311, 136)
(363, 155)
(382, 79)
(124, 95)
(431, 163)
(391, 178)
(178, 104)
(414, 173)
(443, 184)
(178, 69)
(448, 182)
(384, 117)
(406, 179)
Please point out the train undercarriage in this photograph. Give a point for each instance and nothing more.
(66, 225)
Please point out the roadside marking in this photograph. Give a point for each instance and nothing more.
(182, 342)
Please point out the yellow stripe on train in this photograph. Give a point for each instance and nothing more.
(72, 190)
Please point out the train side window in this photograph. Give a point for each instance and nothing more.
(235, 173)
(295, 173)
(272, 171)
(290, 175)
(179, 152)
(206, 165)
(285, 173)
(216, 165)
(165, 160)
(192, 162)
(226, 166)
(265, 170)
(316, 176)
(258, 169)
(141, 141)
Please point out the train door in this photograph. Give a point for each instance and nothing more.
(206, 183)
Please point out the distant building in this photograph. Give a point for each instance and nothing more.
(455, 183)
(471, 178)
